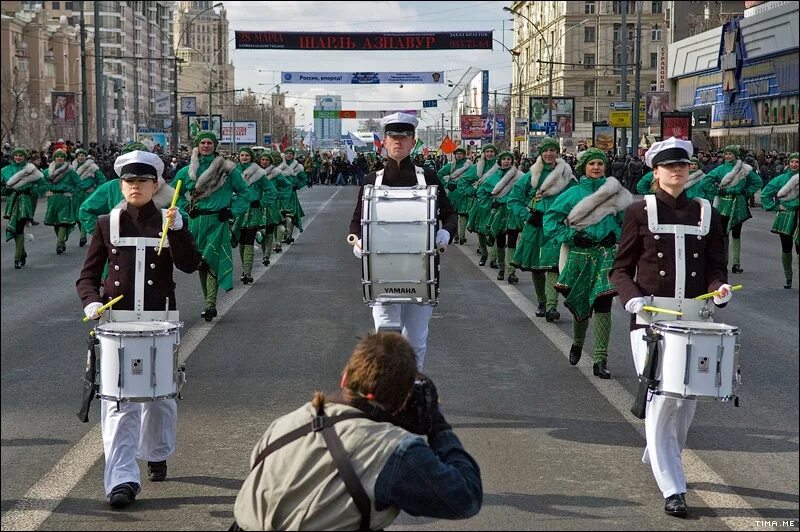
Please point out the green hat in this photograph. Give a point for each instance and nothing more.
(81, 151)
(505, 154)
(289, 150)
(549, 142)
(460, 150)
(59, 153)
(133, 146)
(276, 157)
(20, 151)
(206, 135)
(248, 151)
(589, 155)
(794, 155)
(489, 147)
(694, 160)
(732, 148)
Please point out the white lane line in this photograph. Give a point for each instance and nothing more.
(696, 470)
(36, 506)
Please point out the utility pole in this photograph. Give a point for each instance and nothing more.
(637, 96)
(135, 94)
(494, 113)
(624, 64)
(99, 86)
(118, 88)
(84, 84)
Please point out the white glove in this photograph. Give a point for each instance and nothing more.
(91, 310)
(727, 294)
(442, 238)
(635, 305)
(357, 251)
(177, 219)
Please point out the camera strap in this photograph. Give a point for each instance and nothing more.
(324, 424)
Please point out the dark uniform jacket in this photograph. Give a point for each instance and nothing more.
(136, 222)
(645, 262)
(404, 175)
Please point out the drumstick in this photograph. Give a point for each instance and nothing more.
(166, 222)
(352, 239)
(717, 292)
(104, 307)
(657, 310)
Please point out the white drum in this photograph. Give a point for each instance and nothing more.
(698, 360)
(398, 229)
(139, 360)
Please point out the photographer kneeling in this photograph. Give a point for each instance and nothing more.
(357, 459)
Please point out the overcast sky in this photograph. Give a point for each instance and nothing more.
(260, 70)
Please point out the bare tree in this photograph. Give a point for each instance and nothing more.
(13, 101)
(23, 123)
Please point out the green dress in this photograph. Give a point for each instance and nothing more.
(252, 217)
(505, 219)
(466, 189)
(732, 200)
(786, 220)
(480, 216)
(584, 277)
(94, 179)
(269, 199)
(19, 206)
(287, 193)
(451, 183)
(59, 205)
(213, 236)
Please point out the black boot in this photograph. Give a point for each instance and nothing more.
(462, 241)
(575, 353)
(552, 315)
(209, 313)
(493, 264)
(278, 248)
(601, 370)
(675, 505)
(157, 471)
(787, 286)
(540, 313)
(265, 261)
(18, 265)
(513, 279)
(82, 241)
(60, 248)
(501, 275)
(123, 495)
(24, 256)
(482, 262)
(736, 268)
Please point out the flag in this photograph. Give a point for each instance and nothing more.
(356, 141)
(285, 142)
(350, 153)
(448, 146)
(307, 140)
(417, 147)
(377, 141)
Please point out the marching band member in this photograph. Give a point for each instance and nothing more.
(587, 218)
(21, 180)
(134, 430)
(252, 219)
(468, 185)
(399, 171)
(272, 211)
(781, 194)
(548, 177)
(450, 174)
(90, 174)
(296, 174)
(63, 183)
(503, 225)
(209, 182)
(660, 264)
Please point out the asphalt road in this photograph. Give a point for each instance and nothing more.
(557, 447)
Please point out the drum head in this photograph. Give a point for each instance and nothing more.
(696, 327)
(136, 328)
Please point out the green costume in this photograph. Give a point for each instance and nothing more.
(781, 194)
(502, 220)
(60, 214)
(91, 173)
(645, 184)
(19, 182)
(272, 211)
(252, 216)
(295, 179)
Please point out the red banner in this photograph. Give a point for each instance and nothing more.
(290, 40)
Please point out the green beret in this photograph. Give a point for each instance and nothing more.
(206, 135)
(694, 160)
(732, 148)
(276, 157)
(460, 150)
(81, 151)
(589, 155)
(489, 147)
(506, 154)
(20, 151)
(794, 155)
(133, 146)
(59, 153)
(248, 151)
(549, 142)
(289, 150)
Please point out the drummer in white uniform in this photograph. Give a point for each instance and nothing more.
(672, 248)
(131, 430)
(399, 133)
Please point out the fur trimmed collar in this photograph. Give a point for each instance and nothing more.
(86, 170)
(458, 172)
(507, 182)
(162, 198)
(253, 173)
(28, 174)
(740, 171)
(610, 198)
(694, 178)
(212, 179)
(56, 174)
(790, 190)
(556, 181)
(481, 169)
(272, 171)
(291, 169)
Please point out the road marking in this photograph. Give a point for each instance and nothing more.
(36, 506)
(697, 471)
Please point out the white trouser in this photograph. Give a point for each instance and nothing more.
(139, 430)
(413, 319)
(666, 425)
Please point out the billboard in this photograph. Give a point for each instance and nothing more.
(161, 101)
(655, 104)
(196, 124)
(540, 114)
(362, 78)
(64, 112)
(245, 132)
(150, 137)
(678, 125)
(603, 137)
(295, 40)
(520, 129)
(480, 127)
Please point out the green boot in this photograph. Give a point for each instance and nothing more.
(551, 296)
(512, 271)
(736, 246)
(501, 262)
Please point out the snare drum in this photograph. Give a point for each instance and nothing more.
(699, 360)
(398, 227)
(139, 360)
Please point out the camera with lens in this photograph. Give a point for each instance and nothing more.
(421, 411)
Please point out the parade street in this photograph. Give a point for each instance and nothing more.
(557, 447)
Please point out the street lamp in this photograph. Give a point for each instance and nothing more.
(515, 58)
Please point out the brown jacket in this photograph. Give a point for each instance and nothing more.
(645, 262)
(159, 285)
(404, 175)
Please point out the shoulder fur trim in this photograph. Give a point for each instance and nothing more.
(458, 172)
(507, 182)
(610, 198)
(87, 169)
(790, 190)
(295, 168)
(482, 172)
(56, 174)
(253, 173)
(163, 196)
(28, 174)
(694, 178)
(740, 171)
(212, 179)
(557, 180)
